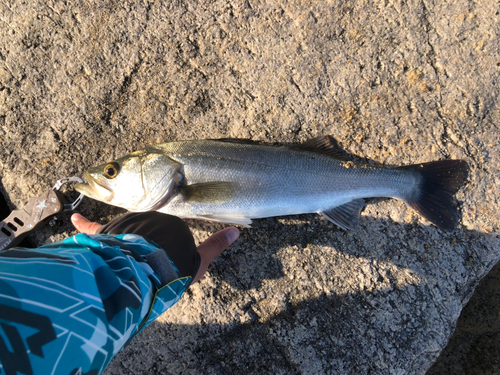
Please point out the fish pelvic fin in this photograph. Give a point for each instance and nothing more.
(225, 219)
(345, 216)
(440, 180)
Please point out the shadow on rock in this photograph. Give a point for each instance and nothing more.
(412, 246)
(474, 347)
(401, 328)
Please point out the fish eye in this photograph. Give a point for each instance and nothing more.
(111, 170)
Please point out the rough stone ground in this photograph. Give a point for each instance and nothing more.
(395, 82)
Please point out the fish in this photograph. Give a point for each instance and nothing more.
(233, 181)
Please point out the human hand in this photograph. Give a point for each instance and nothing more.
(208, 250)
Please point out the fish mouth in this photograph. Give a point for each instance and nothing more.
(94, 189)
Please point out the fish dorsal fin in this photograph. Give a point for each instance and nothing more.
(345, 216)
(240, 141)
(326, 145)
(322, 145)
(210, 192)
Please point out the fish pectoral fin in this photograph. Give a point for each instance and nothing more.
(210, 192)
(226, 219)
(345, 216)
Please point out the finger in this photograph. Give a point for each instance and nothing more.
(218, 242)
(213, 246)
(84, 225)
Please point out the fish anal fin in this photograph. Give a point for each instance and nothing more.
(326, 145)
(345, 216)
(210, 192)
(226, 219)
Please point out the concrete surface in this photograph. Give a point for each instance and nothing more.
(396, 82)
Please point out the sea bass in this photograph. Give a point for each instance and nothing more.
(234, 181)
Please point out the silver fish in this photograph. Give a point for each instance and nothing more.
(233, 181)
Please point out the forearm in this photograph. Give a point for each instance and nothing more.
(74, 304)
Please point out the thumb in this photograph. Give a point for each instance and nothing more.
(218, 242)
(214, 246)
(84, 225)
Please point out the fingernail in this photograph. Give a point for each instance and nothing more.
(232, 234)
(76, 217)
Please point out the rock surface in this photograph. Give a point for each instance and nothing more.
(396, 82)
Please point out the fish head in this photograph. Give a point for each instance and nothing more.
(140, 181)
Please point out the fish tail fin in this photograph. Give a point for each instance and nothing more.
(440, 180)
